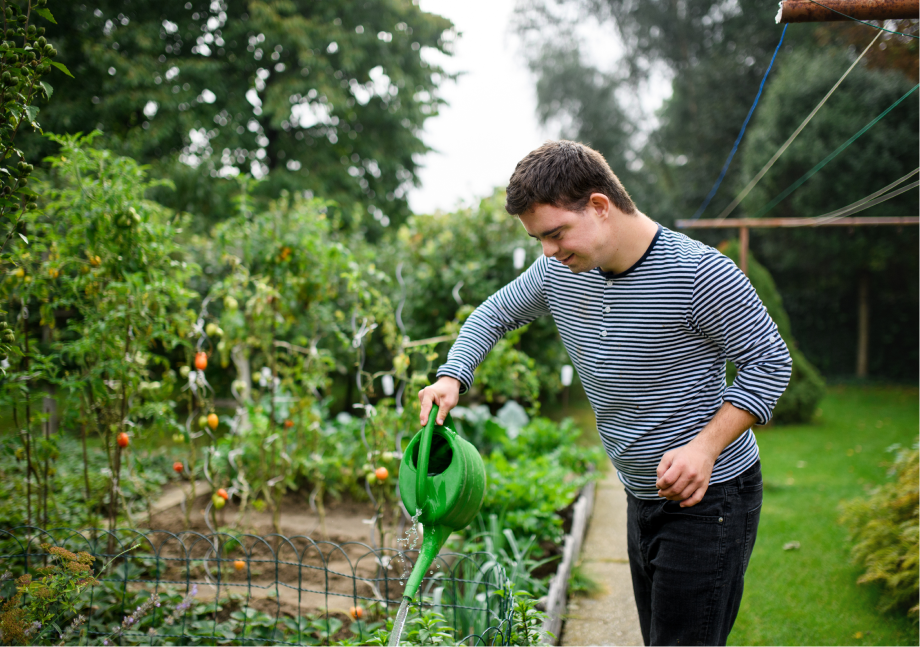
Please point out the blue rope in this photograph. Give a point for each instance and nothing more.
(715, 187)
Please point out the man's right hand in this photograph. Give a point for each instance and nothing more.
(445, 393)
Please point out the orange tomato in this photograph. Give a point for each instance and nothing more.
(239, 565)
(201, 360)
(356, 613)
(123, 440)
(223, 494)
(178, 467)
(288, 424)
(213, 421)
(381, 473)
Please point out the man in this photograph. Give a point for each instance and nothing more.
(649, 318)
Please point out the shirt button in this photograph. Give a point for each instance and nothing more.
(606, 308)
(609, 283)
(603, 333)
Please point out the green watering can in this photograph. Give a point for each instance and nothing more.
(443, 478)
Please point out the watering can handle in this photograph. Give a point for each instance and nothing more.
(424, 452)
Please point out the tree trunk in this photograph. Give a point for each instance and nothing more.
(862, 342)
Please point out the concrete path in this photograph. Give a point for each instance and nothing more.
(608, 618)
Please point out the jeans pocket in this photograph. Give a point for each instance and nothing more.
(752, 520)
(709, 510)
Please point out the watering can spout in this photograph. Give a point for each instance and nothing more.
(442, 478)
(432, 542)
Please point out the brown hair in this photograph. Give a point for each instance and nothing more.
(563, 174)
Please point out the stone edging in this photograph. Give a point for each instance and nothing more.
(571, 548)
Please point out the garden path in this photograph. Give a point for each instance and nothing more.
(608, 618)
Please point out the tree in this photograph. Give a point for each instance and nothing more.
(822, 270)
(323, 96)
(714, 55)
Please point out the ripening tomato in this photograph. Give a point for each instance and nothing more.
(381, 473)
(222, 493)
(201, 360)
(288, 424)
(356, 613)
(213, 421)
(178, 467)
(123, 440)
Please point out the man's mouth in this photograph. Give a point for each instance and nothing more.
(567, 259)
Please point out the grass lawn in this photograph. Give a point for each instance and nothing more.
(809, 596)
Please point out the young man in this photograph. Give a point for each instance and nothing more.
(649, 318)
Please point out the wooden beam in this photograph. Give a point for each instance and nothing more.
(771, 223)
(745, 242)
(807, 11)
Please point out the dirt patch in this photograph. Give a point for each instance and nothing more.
(313, 565)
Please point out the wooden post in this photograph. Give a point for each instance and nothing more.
(862, 339)
(745, 239)
(807, 11)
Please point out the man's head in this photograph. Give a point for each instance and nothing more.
(563, 174)
(568, 198)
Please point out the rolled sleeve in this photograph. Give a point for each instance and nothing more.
(727, 310)
(515, 305)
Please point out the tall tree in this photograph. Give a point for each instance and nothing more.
(321, 95)
(830, 275)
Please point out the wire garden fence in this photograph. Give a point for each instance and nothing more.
(229, 588)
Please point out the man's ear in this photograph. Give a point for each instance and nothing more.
(600, 205)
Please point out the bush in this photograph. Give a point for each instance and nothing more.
(885, 529)
(806, 386)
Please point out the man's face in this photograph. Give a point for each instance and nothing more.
(574, 238)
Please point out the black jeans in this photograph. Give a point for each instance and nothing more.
(688, 564)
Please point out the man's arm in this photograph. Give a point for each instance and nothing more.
(515, 305)
(726, 310)
(683, 473)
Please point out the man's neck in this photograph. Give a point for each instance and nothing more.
(631, 236)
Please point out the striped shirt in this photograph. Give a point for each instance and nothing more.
(650, 346)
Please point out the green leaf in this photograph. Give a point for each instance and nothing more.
(44, 13)
(32, 111)
(62, 68)
(24, 238)
(48, 89)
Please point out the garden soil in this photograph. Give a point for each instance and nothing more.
(310, 569)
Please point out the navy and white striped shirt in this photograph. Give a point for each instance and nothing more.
(650, 346)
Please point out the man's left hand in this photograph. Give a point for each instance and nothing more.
(684, 473)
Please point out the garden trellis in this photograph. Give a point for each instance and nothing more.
(265, 589)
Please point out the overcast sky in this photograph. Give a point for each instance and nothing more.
(491, 121)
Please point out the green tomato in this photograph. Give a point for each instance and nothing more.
(371, 478)
(211, 329)
(388, 456)
(230, 303)
(218, 501)
(203, 421)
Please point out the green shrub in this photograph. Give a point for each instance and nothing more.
(806, 386)
(885, 530)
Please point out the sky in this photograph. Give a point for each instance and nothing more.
(490, 122)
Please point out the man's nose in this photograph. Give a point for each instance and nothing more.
(549, 250)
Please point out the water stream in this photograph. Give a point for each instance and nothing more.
(409, 542)
(399, 623)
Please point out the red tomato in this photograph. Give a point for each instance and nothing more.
(223, 494)
(178, 467)
(288, 424)
(381, 473)
(123, 440)
(201, 360)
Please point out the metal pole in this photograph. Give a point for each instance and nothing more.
(745, 240)
(807, 11)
